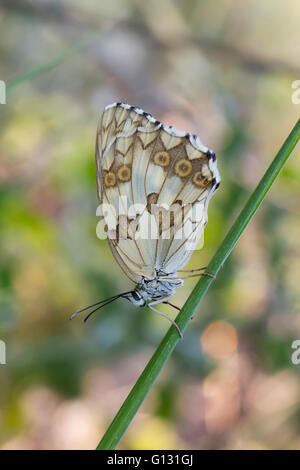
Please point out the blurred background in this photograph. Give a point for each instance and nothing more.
(223, 71)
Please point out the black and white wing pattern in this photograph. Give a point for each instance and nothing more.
(154, 184)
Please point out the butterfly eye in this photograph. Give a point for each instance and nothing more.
(135, 295)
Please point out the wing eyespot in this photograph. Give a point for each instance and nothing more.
(110, 179)
(162, 159)
(124, 173)
(183, 168)
(200, 180)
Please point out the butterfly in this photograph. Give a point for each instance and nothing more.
(151, 175)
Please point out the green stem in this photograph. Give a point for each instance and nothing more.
(53, 62)
(143, 385)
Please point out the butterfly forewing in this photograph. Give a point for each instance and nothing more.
(158, 182)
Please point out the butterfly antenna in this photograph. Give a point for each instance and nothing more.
(109, 301)
(98, 308)
(90, 306)
(104, 302)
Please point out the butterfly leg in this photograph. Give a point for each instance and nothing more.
(172, 305)
(198, 275)
(175, 306)
(195, 275)
(191, 270)
(160, 301)
(170, 279)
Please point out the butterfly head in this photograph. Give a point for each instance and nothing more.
(152, 289)
(137, 298)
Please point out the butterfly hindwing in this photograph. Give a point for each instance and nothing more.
(158, 181)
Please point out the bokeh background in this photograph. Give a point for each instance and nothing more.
(223, 70)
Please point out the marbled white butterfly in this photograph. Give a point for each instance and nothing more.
(154, 185)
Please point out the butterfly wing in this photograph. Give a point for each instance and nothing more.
(155, 183)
